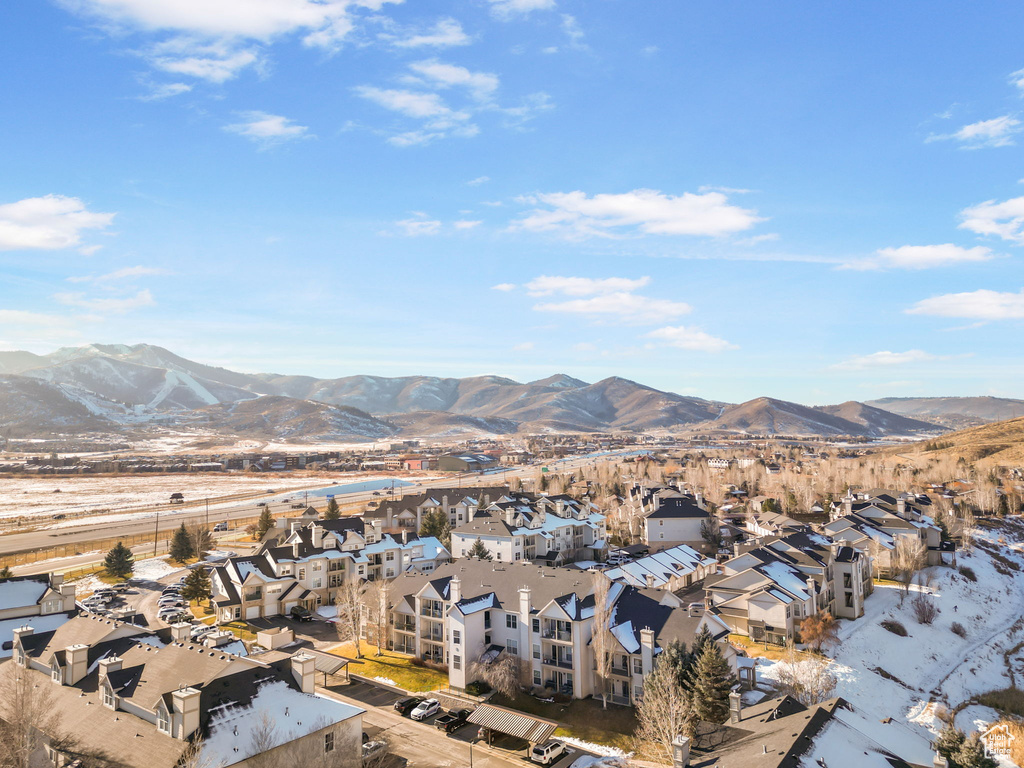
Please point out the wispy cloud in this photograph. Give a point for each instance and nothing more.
(997, 132)
(1004, 220)
(268, 130)
(619, 308)
(439, 74)
(884, 359)
(920, 257)
(107, 306)
(437, 118)
(546, 285)
(446, 33)
(510, 9)
(642, 211)
(48, 223)
(525, 346)
(125, 273)
(689, 338)
(466, 224)
(419, 225)
(160, 91)
(478, 181)
(973, 305)
(504, 287)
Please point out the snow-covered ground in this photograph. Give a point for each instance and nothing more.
(914, 678)
(37, 496)
(150, 569)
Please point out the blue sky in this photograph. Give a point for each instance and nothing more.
(818, 202)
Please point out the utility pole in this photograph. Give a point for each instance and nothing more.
(207, 513)
(156, 532)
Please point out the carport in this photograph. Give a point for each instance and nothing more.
(534, 730)
(328, 663)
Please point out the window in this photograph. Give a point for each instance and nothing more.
(55, 672)
(789, 612)
(536, 650)
(849, 599)
(846, 581)
(512, 646)
(317, 565)
(511, 621)
(457, 636)
(163, 722)
(536, 677)
(328, 743)
(517, 555)
(109, 700)
(238, 612)
(457, 662)
(536, 625)
(317, 583)
(302, 573)
(497, 555)
(389, 556)
(638, 666)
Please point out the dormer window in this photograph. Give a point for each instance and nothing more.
(56, 673)
(163, 719)
(109, 699)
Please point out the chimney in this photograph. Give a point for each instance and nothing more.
(108, 665)
(901, 507)
(650, 580)
(185, 712)
(318, 535)
(405, 536)
(294, 525)
(455, 589)
(848, 505)
(376, 528)
(19, 633)
(735, 707)
(811, 590)
(524, 604)
(303, 668)
(181, 632)
(680, 751)
(295, 550)
(700, 499)
(56, 579)
(77, 663)
(939, 761)
(647, 650)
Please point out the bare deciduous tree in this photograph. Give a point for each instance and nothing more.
(808, 680)
(908, 557)
(601, 636)
(28, 717)
(348, 599)
(665, 712)
(377, 604)
(502, 673)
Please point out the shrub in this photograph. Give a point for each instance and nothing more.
(924, 609)
(958, 629)
(968, 573)
(895, 627)
(478, 688)
(416, 661)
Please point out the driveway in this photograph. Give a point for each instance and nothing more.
(319, 633)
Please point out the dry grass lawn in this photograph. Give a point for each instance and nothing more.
(396, 667)
(582, 719)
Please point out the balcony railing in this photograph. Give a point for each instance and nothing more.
(564, 662)
(620, 671)
(434, 613)
(560, 635)
(434, 637)
(406, 626)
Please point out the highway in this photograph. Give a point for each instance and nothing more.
(169, 516)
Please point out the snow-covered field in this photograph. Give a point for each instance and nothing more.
(914, 678)
(37, 496)
(150, 569)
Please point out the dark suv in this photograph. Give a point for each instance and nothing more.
(408, 704)
(298, 613)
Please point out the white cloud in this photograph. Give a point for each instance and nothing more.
(159, 91)
(465, 224)
(478, 181)
(884, 359)
(419, 225)
(47, 223)
(410, 103)
(526, 346)
(997, 132)
(645, 211)
(1017, 79)
(921, 257)
(120, 274)
(619, 307)
(217, 62)
(441, 75)
(973, 305)
(507, 9)
(107, 306)
(572, 30)
(504, 287)
(1005, 219)
(690, 338)
(266, 129)
(445, 34)
(546, 285)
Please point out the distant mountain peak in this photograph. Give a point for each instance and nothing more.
(560, 380)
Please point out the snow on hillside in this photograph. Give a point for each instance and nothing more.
(909, 678)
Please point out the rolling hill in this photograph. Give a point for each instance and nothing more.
(1000, 442)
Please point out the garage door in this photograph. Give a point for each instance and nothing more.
(289, 605)
(252, 613)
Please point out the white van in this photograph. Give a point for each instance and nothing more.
(547, 753)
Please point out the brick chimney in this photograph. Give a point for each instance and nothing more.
(77, 657)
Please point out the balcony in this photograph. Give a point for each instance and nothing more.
(406, 626)
(434, 637)
(620, 671)
(432, 613)
(561, 635)
(565, 662)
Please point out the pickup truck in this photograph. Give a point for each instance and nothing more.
(455, 719)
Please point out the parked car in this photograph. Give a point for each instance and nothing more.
(124, 586)
(425, 709)
(455, 719)
(261, 503)
(201, 630)
(547, 753)
(408, 704)
(372, 748)
(220, 527)
(300, 505)
(298, 613)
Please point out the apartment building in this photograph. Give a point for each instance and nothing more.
(407, 513)
(126, 696)
(520, 526)
(470, 610)
(672, 569)
(44, 601)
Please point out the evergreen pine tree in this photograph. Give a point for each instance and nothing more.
(266, 522)
(6, 573)
(712, 682)
(332, 513)
(197, 585)
(436, 524)
(972, 754)
(679, 660)
(479, 550)
(119, 562)
(181, 546)
(949, 741)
